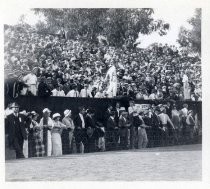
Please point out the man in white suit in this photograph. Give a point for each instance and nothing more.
(111, 79)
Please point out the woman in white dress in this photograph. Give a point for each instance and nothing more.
(47, 123)
(56, 135)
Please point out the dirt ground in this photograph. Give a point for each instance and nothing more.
(181, 163)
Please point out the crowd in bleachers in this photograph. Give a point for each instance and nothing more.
(53, 65)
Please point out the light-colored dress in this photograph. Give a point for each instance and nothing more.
(49, 136)
(56, 138)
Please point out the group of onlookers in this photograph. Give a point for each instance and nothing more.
(50, 65)
(32, 135)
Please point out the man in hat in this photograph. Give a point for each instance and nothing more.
(16, 131)
(124, 125)
(68, 121)
(112, 132)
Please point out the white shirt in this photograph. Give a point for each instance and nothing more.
(111, 74)
(55, 92)
(99, 95)
(73, 93)
(85, 93)
(184, 111)
(30, 79)
(185, 78)
(152, 96)
(83, 121)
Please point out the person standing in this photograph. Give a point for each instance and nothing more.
(123, 126)
(175, 118)
(73, 93)
(90, 125)
(56, 135)
(117, 112)
(39, 146)
(16, 131)
(190, 126)
(111, 78)
(67, 120)
(31, 80)
(131, 110)
(142, 139)
(43, 89)
(156, 127)
(84, 93)
(165, 120)
(79, 131)
(112, 132)
(47, 123)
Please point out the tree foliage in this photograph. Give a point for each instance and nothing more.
(191, 39)
(117, 25)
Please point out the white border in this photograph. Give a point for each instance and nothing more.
(9, 6)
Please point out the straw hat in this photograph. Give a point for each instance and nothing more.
(56, 115)
(67, 113)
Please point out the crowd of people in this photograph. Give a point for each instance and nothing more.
(52, 65)
(34, 135)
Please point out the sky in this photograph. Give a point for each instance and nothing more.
(175, 16)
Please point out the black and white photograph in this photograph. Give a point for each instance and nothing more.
(103, 94)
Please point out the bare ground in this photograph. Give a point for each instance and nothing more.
(181, 163)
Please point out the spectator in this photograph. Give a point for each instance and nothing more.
(31, 80)
(67, 120)
(85, 92)
(47, 123)
(124, 126)
(190, 126)
(74, 92)
(39, 146)
(165, 120)
(112, 132)
(16, 131)
(79, 131)
(56, 135)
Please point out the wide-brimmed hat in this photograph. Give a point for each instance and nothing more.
(56, 115)
(67, 113)
(46, 110)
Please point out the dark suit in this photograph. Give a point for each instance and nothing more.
(123, 125)
(90, 134)
(44, 90)
(112, 134)
(117, 115)
(79, 132)
(156, 132)
(106, 116)
(16, 133)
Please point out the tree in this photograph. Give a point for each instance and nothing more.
(117, 25)
(191, 39)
